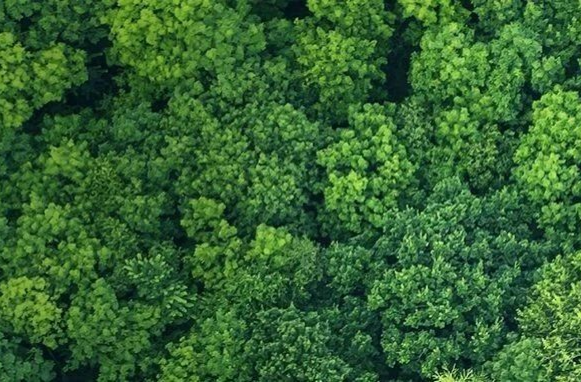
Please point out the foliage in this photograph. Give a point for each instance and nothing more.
(166, 43)
(452, 280)
(472, 99)
(454, 375)
(549, 324)
(338, 68)
(289, 190)
(21, 363)
(432, 11)
(33, 78)
(28, 311)
(367, 172)
(548, 163)
(340, 52)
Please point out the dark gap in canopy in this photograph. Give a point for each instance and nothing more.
(398, 65)
(296, 9)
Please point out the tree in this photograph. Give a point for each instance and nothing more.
(28, 311)
(476, 106)
(547, 161)
(167, 43)
(367, 171)
(548, 347)
(19, 362)
(432, 12)
(111, 335)
(340, 52)
(33, 78)
(447, 280)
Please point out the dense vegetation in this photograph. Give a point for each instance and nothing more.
(290, 190)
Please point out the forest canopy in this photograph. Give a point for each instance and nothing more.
(290, 190)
